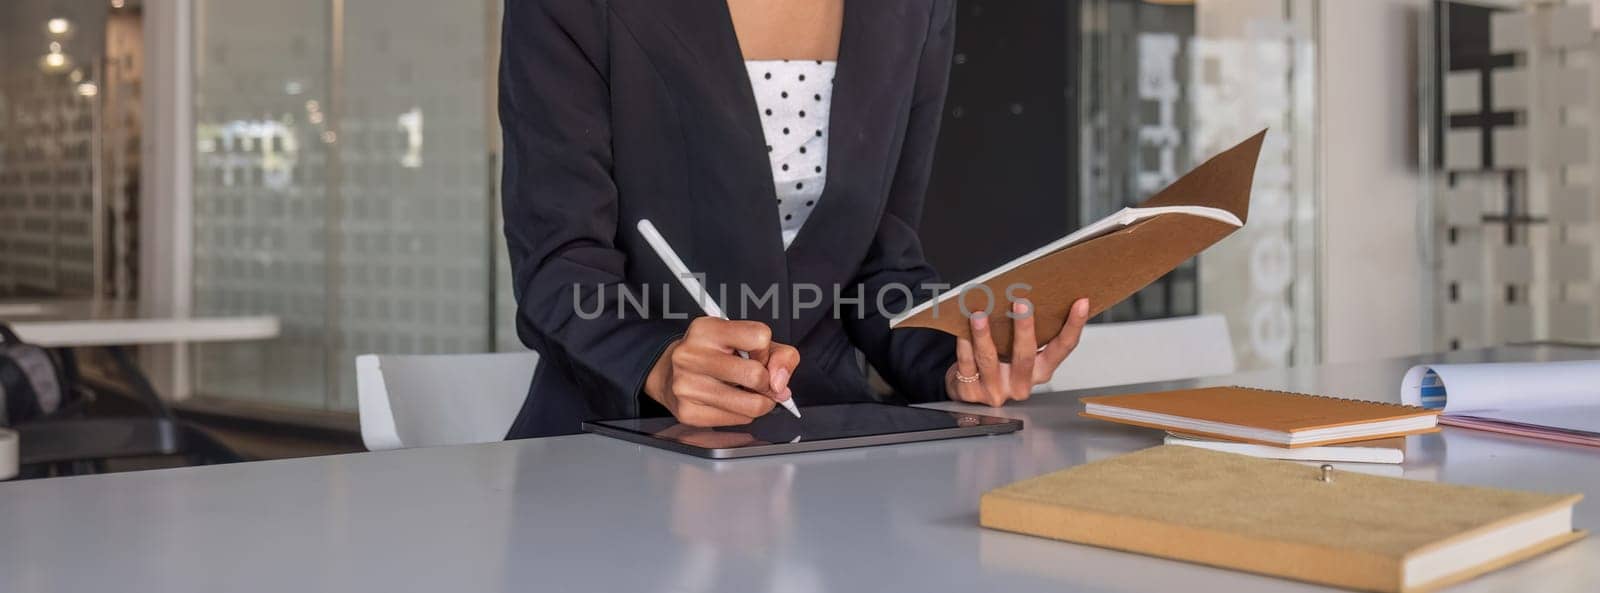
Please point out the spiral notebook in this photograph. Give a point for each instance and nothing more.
(1250, 415)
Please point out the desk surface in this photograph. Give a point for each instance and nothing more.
(65, 324)
(591, 513)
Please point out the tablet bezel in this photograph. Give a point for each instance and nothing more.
(990, 425)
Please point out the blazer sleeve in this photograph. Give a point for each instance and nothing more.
(912, 360)
(560, 203)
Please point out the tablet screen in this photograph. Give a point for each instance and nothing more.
(819, 423)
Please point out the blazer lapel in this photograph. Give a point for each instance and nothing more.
(735, 238)
(879, 51)
(734, 234)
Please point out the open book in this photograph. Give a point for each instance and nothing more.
(1108, 260)
(1557, 401)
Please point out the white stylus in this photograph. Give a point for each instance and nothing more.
(691, 283)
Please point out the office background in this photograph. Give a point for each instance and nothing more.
(333, 163)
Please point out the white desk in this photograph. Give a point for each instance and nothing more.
(588, 513)
(115, 325)
(88, 323)
(23, 309)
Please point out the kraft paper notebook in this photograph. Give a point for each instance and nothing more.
(1110, 259)
(1278, 518)
(1262, 416)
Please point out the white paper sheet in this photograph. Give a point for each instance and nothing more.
(1562, 395)
(1586, 419)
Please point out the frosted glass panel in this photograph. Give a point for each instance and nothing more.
(1166, 86)
(1528, 267)
(261, 194)
(1257, 60)
(415, 236)
(50, 211)
(344, 183)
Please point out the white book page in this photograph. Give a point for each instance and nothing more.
(1325, 453)
(1474, 389)
(1117, 220)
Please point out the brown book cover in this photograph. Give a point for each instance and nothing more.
(1279, 518)
(1110, 267)
(1292, 415)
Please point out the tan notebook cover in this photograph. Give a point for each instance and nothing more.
(1260, 408)
(1266, 516)
(1110, 268)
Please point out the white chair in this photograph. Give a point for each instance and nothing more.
(444, 399)
(1145, 351)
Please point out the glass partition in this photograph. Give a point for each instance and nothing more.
(1168, 84)
(51, 208)
(343, 182)
(261, 196)
(345, 174)
(1514, 200)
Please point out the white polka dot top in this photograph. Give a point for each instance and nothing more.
(794, 98)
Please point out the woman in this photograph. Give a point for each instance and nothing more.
(779, 145)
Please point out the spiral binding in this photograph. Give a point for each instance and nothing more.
(1343, 399)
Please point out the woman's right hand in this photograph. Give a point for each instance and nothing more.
(703, 381)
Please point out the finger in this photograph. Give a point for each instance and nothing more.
(708, 391)
(718, 439)
(726, 367)
(753, 337)
(782, 361)
(1024, 347)
(1062, 345)
(759, 356)
(966, 366)
(966, 358)
(691, 413)
(971, 393)
(988, 357)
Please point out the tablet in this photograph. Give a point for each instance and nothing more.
(836, 426)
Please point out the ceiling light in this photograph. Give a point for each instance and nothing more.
(55, 62)
(58, 26)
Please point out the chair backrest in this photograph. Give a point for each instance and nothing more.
(442, 399)
(1144, 351)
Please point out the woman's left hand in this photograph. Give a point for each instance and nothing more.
(979, 377)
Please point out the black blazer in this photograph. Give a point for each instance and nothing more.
(617, 110)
